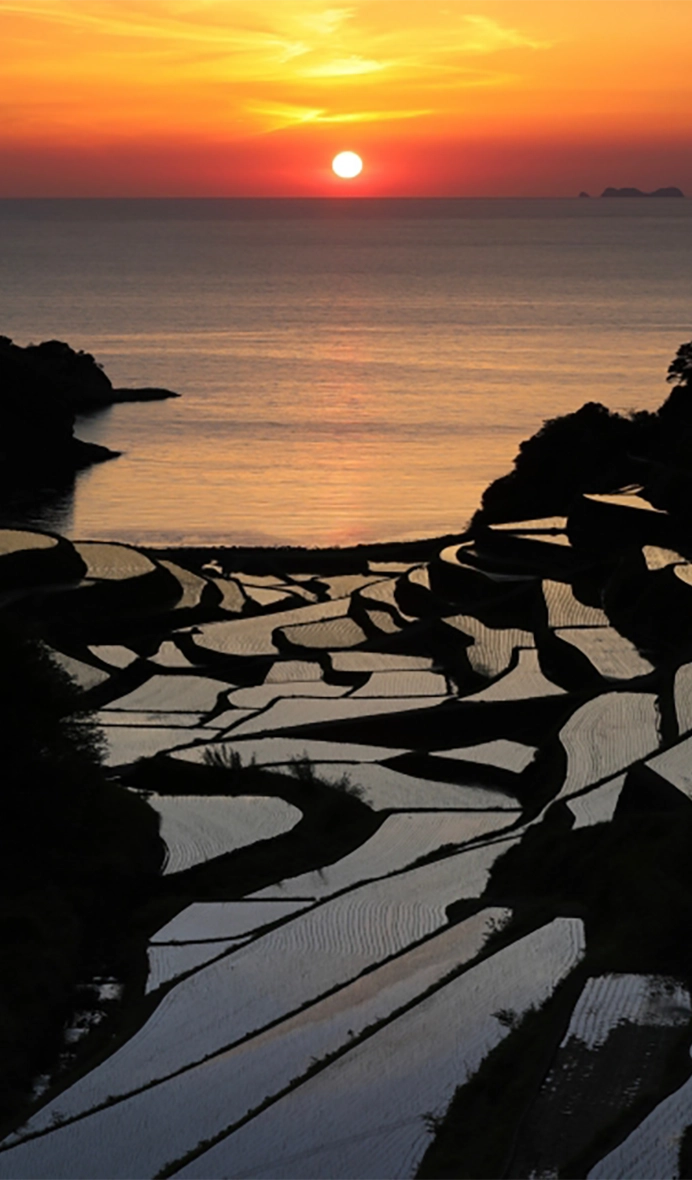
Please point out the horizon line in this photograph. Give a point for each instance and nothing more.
(339, 197)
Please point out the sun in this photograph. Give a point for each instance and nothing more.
(347, 165)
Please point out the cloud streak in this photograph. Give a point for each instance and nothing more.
(397, 73)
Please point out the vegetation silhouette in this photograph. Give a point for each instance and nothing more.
(595, 449)
(77, 852)
(43, 387)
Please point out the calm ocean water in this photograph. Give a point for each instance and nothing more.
(350, 371)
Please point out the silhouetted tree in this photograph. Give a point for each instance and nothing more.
(680, 369)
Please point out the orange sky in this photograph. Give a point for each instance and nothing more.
(254, 97)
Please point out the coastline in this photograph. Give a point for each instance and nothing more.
(485, 734)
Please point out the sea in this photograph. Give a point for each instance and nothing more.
(349, 370)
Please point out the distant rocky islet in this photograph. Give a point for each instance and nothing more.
(670, 191)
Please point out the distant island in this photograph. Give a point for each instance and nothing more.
(44, 387)
(671, 191)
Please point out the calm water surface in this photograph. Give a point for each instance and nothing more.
(349, 371)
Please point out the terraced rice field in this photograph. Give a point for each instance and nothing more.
(606, 735)
(188, 694)
(609, 1000)
(320, 949)
(565, 610)
(126, 743)
(403, 683)
(192, 585)
(384, 593)
(598, 805)
(196, 829)
(624, 500)
(335, 1011)
(179, 720)
(467, 557)
(109, 562)
(169, 655)
(114, 654)
(500, 752)
(613, 656)
(290, 713)
(254, 637)
(675, 765)
(683, 697)
(141, 1134)
(419, 577)
(522, 682)
(260, 696)
(683, 572)
(386, 1085)
(344, 585)
(527, 526)
(492, 649)
(653, 1148)
(277, 751)
(267, 596)
(380, 623)
(18, 540)
(232, 597)
(622, 1026)
(84, 676)
(209, 920)
(385, 789)
(294, 672)
(170, 962)
(400, 841)
(379, 661)
(657, 558)
(547, 539)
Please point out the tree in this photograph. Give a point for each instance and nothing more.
(680, 369)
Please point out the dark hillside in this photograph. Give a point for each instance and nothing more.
(596, 450)
(42, 389)
(76, 852)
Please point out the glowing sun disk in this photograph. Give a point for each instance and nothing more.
(347, 165)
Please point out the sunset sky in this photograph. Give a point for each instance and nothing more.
(242, 98)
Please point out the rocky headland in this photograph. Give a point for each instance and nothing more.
(595, 450)
(43, 387)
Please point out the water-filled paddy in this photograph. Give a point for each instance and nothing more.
(425, 742)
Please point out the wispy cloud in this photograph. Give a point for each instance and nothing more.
(482, 34)
(343, 67)
(284, 115)
(255, 66)
(328, 22)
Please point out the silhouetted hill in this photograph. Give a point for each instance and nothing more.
(595, 449)
(42, 388)
(80, 378)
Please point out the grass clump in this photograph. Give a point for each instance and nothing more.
(230, 761)
(302, 768)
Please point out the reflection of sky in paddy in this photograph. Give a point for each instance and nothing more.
(342, 380)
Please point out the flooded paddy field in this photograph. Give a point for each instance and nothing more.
(426, 811)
